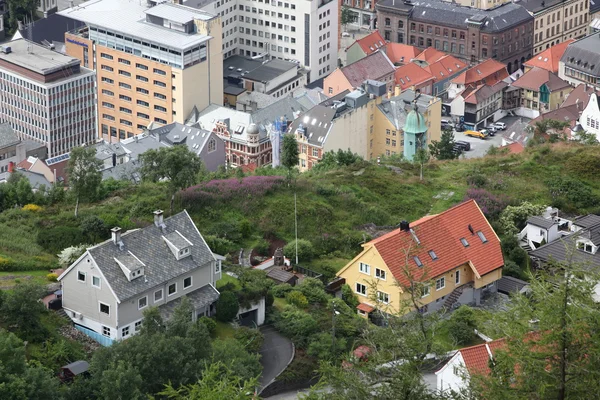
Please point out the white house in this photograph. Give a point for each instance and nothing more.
(544, 229)
(590, 117)
(455, 375)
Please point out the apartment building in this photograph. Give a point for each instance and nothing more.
(46, 96)
(504, 33)
(154, 63)
(304, 31)
(580, 62)
(479, 4)
(362, 12)
(557, 21)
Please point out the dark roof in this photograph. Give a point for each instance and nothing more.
(270, 70)
(565, 250)
(395, 5)
(316, 133)
(233, 90)
(584, 55)
(594, 6)
(587, 221)
(51, 29)
(539, 5)
(77, 367)
(374, 66)
(179, 134)
(287, 107)
(508, 284)
(541, 222)
(280, 275)
(148, 246)
(106, 150)
(449, 14)
(8, 137)
(199, 298)
(233, 65)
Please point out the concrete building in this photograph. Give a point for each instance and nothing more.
(154, 63)
(580, 62)
(46, 97)
(14, 150)
(362, 12)
(504, 33)
(376, 66)
(304, 31)
(557, 21)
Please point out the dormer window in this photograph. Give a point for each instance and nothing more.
(184, 252)
(586, 246)
(178, 244)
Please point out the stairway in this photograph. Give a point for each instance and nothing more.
(62, 313)
(453, 297)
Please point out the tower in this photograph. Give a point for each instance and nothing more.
(415, 132)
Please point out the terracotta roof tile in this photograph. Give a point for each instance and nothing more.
(430, 55)
(410, 75)
(445, 67)
(371, 43)
(514, 148)
(490, 71)
(477, 358)
(442, 233)
(24, 164)
(365, 307)
(549, 58)
(374, 66)
(399, 53)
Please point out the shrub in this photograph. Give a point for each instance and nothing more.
(477, 180)
(32, 208)
(512, 269)
(269, 299)
(219, 245)
(262, 248)
(297, 299)
(251, 339)
(281, 290)
(490, 204)
(227, 307)
(462, 325)
(321, 347)
(69, 255)
(349, 297)
(56, 239)
(210, 323)
(93, 228)
(305, 250)
(52, 277)
(297, 325)
(314, 291)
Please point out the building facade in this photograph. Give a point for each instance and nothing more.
(46, 97)
(153, 70)
(580, 62)
(362, 12)
(503, 33)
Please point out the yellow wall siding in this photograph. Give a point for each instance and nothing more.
(488, 278)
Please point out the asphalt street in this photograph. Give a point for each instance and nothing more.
(276, 353)
(479, 147)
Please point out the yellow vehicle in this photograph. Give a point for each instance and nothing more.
(476, 134)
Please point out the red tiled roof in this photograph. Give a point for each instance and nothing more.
(400, 53)
(579, 96)
(445, 67)
(371, 43)
(24, 164)
(374, 66)
(477, 358)
(441, 233)
(549, 58)
(514, 148)
(365, 307)
(490, 71)
(536, 77)
(474, 95)
(430, 55)
(411, 75)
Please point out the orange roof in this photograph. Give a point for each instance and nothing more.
(24, 164)
(371, 43)
(514, 148)
(365, 307)
(411, 75)
(399, 53)
(430, 55)
(445, 67)
(549, 58)
(490, 71)
(477, 358)
(442, 234)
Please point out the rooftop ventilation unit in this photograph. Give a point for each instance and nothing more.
(6, 49)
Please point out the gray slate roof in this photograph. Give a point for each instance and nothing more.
(587, 221)
(541, 222)
(287, 107)
(449, 14)
(584, 55)
(322, 116)
(199, 298)
(280, 275)
(565, 249)
(106, 150)
(536, 5)
(128, 171)
(149, 247)
(77, 367)
(508, 284)
(8, 137)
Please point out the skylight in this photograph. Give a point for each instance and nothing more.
(482, 237)
(418, 261)
(433, 255)
(464, 242)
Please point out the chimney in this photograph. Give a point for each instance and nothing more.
(158, 218)
(116, 235)
(397, 90)
(11, 167)
(404, 226)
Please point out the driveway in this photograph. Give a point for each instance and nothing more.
(479, 147)
(276, 354)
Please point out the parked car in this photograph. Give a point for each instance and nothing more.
(487, 132)
(476, 134)
(491, 128)
(459, 128)
(464, 144)
(458, 149)
(500, 125)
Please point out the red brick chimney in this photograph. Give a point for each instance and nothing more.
(11, 167)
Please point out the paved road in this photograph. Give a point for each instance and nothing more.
(480, 147)
(276, 353)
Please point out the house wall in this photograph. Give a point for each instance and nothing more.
(386, 139)
(354, 53)
(488, 278)
(85, 299)
(335, 83)
(352, 131)
(557, 23)
(212, 160)
(457, 107)
(590, 117)
(260, 307)
(447, 379)
(41, 168)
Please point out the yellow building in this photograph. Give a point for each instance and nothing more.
(153, 63)
(542, 90)
(480, 4)
(450, 257)
(390, 115)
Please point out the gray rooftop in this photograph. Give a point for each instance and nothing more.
(449, 14)
(140, 144)
(177, 240)
(594, 6)
(309, 97)
(149, 247)
(280, 275)
(270, 70)
(508, 285)
(77, 367)
(177, 13)
(8, 137)
(37, 58)
(128, 171)
(199, 298)
(565, 250)
(105, 150)
(286, 107)
(539, 5)
(236, 65)
(587, 221)
(397, 108)
(315, 123)
(541, 222)
(178, 134)
(258, 99)
(584, 55)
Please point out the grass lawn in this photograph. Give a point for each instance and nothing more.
(224, 330)
(333, 263)
(225, 279)
(36, 276)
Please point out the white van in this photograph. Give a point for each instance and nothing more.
(500, 125)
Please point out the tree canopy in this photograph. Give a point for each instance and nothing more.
(84, 174)
(444, 148)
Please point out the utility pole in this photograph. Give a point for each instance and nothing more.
(333, 314)
(296, 223)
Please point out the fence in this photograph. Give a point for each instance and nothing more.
(103, 340)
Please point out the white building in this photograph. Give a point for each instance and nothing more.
(590, 117)
(304, 31)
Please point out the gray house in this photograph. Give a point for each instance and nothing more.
(108, 288)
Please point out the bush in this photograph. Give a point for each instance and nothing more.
(321, 347)
(297, 299)
(56, 239)
(281, 290)
(269, 299)
(227, 307)
(297, 325)
(32, 208)
(349, 297)
(52, 277)
(462, 325)
(490, 204)
(219, 245)
(262, 248)
(93, 228)
(512, 269)
(314, 291)
(305, 250)
(210, 323)
(251, 339)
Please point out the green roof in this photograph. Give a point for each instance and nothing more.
(415, 122)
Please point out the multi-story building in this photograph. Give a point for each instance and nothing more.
(549, 58)
(479, 4)
(305, 31)
(557, 21)
(504, 33)
(580, 62)
(364, 47)
(376, 66)
(362, 12)
(153, 63)
(541, 90)
(46, 96)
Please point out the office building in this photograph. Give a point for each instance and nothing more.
(46, 96)
(153, 62)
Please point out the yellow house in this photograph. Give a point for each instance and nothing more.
(542, 90)
(390, 115)
(436, 261)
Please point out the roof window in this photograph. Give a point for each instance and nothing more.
(418, 261)
(482, 237)
(433, 255)
(464, 242)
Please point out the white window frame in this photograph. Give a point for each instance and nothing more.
(358, 292)
(217, 267)
(105, 329)
(378, 274)
(191, 282)
(84, 276)
(138, 325)
(168, 287)
(443, 280)
(99, 285)
(162, 295)
(366, 268)
(123, 334)
(457, 277)
(381, 295)
(426, 291)
(140, 299)
(100, 308)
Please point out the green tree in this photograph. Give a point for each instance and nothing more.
(346, 16)
(121, 382)
(20, 10)
(153, 322)
(306, 251)
(233, 354)
(587, 138)
(462, 324)
(297, 299)
(177, 164)
(250, 338)
(84, 174)
(421, 158)
(93, 228)
(218, 383)
(181, 320)
(23, 310)
(444, 148)
(227, 307)
(514, 218)
(289, 154)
